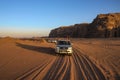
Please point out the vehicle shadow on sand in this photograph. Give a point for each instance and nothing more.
(46, 50)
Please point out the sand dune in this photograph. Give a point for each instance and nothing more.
(93, 59)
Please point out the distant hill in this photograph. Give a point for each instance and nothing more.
(104, 25)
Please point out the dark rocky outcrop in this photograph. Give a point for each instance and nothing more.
(77, 30)
(104, 25)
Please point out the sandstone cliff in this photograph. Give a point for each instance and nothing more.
(77, 30)
(104, 25)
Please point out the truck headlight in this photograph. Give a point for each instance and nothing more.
(57, 48)
(70, 48)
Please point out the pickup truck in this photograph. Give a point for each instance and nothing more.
(64, 47)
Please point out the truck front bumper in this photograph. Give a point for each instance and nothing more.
(66, 51)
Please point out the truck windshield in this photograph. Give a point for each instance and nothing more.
(63, 43)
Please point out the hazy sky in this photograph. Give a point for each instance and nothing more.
(27, 18)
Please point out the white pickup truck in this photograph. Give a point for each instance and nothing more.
(64, 47)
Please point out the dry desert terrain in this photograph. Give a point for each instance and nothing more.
(92, 59)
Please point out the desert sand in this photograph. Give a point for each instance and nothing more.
(93, 59)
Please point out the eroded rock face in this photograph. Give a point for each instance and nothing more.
(77, 30)
(104, 25)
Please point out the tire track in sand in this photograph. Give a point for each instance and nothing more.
(75, 67)
(85, 67)
(60, 70)
(34, 72)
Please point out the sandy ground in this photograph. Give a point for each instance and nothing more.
(93, 59)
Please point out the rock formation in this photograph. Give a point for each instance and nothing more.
(77, 30)
(104, 25)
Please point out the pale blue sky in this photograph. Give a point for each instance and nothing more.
(28, 18)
